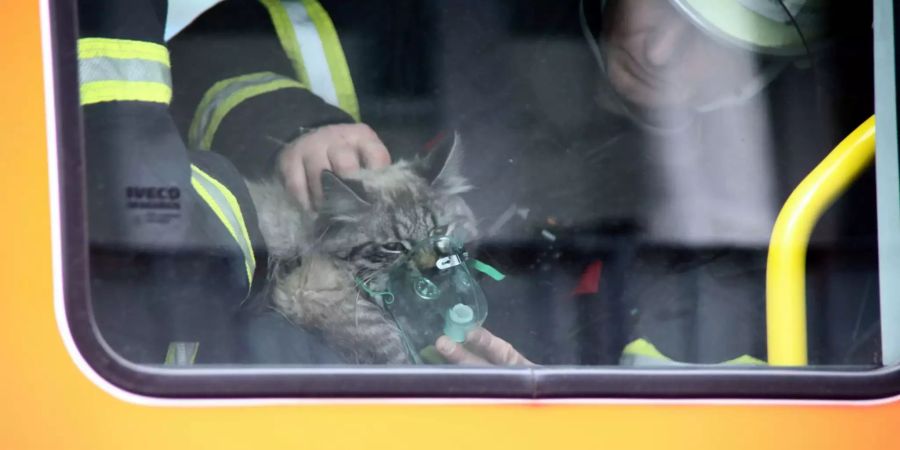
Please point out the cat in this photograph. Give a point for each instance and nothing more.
(365, 223)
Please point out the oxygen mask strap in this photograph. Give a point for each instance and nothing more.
(385, 297)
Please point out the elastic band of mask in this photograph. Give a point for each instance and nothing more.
(385, 296)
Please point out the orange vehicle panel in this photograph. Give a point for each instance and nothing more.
(47, 402)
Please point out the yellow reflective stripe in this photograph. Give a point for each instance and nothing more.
(745, 360)
(212, 95)
(182, 353)
(312, 52)
(642, 352)
(207, 197)
(238, 98)
(284, 28)
(334, 54)
(198, 180)
(225, 96)
(244, 238)
(310, 41)
(139, 91)
(123, 70)
(122, 48)
(641, 347)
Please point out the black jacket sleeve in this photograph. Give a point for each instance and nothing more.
(237, 38)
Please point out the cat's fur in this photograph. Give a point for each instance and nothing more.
(346, 239)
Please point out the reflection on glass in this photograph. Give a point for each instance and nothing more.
(336, 182)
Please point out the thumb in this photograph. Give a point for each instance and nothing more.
(458, 354)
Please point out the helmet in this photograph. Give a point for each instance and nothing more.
(777, 27)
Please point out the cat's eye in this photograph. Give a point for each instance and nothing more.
(393, 248)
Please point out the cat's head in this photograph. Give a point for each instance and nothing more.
(373, 218)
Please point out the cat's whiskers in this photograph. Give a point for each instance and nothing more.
(322, 236)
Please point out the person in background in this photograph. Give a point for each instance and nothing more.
(735, 101)
(671, 157)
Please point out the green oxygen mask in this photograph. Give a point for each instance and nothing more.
(431, 291)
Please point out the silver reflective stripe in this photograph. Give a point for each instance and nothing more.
(236, 226)
(199, 129)
(182, 353)
(117, 69)
(313, 52)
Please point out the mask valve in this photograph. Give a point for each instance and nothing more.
(459, 320)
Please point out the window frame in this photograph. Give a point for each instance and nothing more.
(446, 382)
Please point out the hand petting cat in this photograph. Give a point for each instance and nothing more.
(342, 149)
(481, 349)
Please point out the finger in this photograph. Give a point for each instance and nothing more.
(344, 161)
(457, 354)
(494, 349)
(290, 163)
(314, 164)
(297, 185)
(371, 150)
(374, 154)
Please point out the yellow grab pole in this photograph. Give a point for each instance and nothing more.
(786, 269)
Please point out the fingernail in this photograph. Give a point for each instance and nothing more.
(474, 335)
(444, 345)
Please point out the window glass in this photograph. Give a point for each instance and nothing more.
(577, 183)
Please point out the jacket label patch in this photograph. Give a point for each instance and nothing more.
(153, 197)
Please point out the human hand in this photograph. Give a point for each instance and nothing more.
(342, 149)
(481, 348)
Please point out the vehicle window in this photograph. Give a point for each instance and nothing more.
(315, 183)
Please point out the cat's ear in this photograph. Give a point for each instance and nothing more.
(343, 198)
(442, 166)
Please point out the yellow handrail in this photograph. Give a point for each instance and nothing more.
(786, 270)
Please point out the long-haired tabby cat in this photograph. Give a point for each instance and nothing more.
(365, 223)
